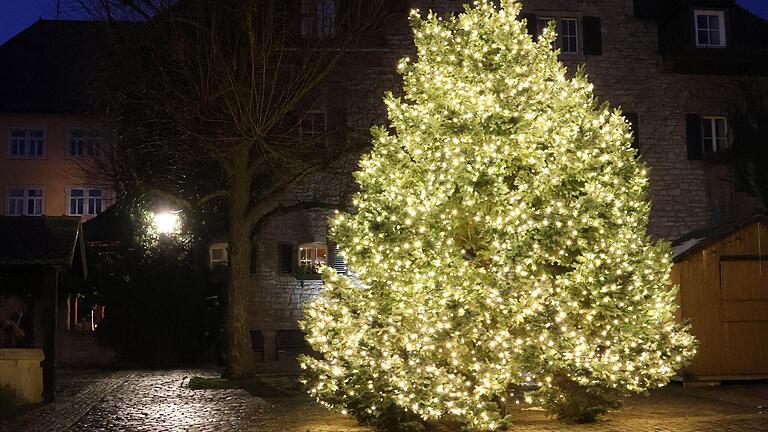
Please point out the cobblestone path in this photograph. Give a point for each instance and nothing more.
(162, 401)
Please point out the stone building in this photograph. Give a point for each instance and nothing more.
(675, 68)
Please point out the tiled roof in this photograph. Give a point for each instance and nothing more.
(48, 67)
(39, 240)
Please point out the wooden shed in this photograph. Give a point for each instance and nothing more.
(723, 276)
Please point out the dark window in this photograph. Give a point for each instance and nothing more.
(27, 143)
(313, 125)
(710, 28)
(569, 37)
(84, 142)
(285, 257)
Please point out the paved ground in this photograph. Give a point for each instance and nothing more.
(161, 401)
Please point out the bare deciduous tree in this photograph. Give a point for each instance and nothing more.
(205, 102)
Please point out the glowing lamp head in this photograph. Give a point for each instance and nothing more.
(166, 222)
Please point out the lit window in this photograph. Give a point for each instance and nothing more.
(710, 29)
(318, 18)
(218, 254)
(312, 256)
(313, 125)
(569, 39)
(84, 142)
(715, 134)
(25, 202)
(27, 143)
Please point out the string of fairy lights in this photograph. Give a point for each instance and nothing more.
(498, 240)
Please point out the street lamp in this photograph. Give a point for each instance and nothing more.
(167, 221)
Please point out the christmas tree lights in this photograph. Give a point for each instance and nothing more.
(499, 240)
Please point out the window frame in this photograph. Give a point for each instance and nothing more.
(310, 264)
(27, 143)
(575, 36)
(89, 207)
(313, 135)
(543, 21)
(722, 34)
(714, 139)
(224, 260)
(25, 200)
(94, 139)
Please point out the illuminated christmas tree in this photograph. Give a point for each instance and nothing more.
(499, 240)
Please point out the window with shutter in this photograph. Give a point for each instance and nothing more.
(715, 135)
(285, 257)
(593, 35)
(311, 257)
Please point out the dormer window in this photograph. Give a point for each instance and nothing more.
(710, 29)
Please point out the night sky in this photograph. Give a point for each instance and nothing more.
(16, 15)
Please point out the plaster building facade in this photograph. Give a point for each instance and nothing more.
(49, 138)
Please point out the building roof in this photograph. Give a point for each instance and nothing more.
(48, 67)
(701, 238)
(40, 240)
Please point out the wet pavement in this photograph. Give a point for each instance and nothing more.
(162, 401)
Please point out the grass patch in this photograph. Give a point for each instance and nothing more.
(261, 385)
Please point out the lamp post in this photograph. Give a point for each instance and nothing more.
(166, 221)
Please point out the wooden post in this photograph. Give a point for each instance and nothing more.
(50, 294)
